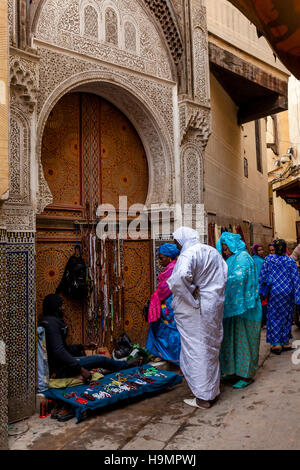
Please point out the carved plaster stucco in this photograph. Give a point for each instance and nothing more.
(163, 12)
(57, 68)
(64, 24)
(23, 83)
(147, 103)
(168, 16)
(19, 165)
(18, 213)
(200, 53)
(19, 219)
(195, 124)
(192, 172)
(12, 21)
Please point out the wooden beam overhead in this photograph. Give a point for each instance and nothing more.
(256, 92)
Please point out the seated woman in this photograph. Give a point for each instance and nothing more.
(241, 315)
(71, 361)
(163, 337)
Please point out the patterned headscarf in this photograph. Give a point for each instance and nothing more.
(232, 240)
(186, 237)
(255, 247)
(280, 247)
(169, 249)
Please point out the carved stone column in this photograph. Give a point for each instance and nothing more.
(3, 340)
(19, 214)
(195, 131)
(4, 112)
(195, 121)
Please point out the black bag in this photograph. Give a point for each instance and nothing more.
(124, 347)
(73, 283)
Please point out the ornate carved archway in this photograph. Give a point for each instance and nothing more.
(161, 11)
(136, 106)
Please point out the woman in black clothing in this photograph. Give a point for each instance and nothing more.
(71, 361)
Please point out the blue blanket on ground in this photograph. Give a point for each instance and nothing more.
(112, 388)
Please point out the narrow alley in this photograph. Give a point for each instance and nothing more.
(263, 416)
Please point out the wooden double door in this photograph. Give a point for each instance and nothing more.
(91, 154)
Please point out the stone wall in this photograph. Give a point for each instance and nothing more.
(3, 196)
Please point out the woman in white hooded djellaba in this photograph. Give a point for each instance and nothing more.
(198, 284)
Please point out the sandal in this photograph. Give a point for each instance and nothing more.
(242, 383)
(204, 404)
(276, 350)
(56, 410)
(69, 414)
(288, 348)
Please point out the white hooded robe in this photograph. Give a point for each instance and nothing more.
(199, 315)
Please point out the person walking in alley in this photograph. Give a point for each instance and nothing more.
(296, 254)
(271, 248)
(279, 282)
(242, 313)
(198, 285)
(258, 258)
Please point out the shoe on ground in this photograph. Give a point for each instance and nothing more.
(203, 404)
(65, 414)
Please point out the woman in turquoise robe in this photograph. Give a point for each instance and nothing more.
(258, 256)
(241, 315)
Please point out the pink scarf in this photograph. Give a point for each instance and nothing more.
(162, 292)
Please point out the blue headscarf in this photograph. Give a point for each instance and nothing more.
(241, 293)
(169, 249)
(233, 241)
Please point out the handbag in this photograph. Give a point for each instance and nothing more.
(124, 347)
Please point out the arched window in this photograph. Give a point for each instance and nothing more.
(90, 22)
(111, 26)
(130, 37)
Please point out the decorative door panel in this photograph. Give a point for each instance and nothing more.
(137, 288)
(51, 259)
(91, 153)
(124, 165)
(61, 152)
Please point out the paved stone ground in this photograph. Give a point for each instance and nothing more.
(265, 415)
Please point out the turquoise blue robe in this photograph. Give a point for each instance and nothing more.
(242, 312)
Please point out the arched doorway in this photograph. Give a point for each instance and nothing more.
(91, 154)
